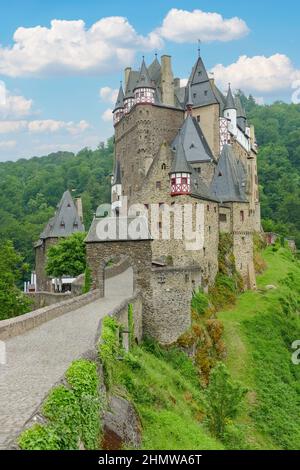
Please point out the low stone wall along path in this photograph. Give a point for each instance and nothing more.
(37, 359)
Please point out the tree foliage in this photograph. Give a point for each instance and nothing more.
(223, 398)
(67, 257)
(12, 301)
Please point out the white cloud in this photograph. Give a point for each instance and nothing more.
(7, 144)
(107, 116)
(13, 106)
(188, 26)
(69, 47)
(43, 126)
(108, 94)
(258, 74)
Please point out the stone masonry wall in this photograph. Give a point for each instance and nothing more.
(43, 281)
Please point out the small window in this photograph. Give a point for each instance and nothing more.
(199, 73)
(186, 278)
(146, 206)
(215, 209)
(164, 166)
(194, 95)
(184, 180)
(207, 208)
(204, 251)
(205, 93)
(222, 217)
(198, 170)
(242, 216)
(198, 118)
(220, 174)
(173, 181)
(158, 185)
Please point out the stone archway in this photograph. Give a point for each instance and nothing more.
(137, 254)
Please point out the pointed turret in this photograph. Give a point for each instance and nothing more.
(144, 89)
(230, 112)
(118, 111)
(201, 88)
(230, 104)
(180, 174)
(241, 114)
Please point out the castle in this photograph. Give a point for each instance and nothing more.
(175, 146)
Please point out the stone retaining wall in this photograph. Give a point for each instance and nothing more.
(18, 325)
(44, 299)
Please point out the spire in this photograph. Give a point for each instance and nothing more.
(144, 80)
(117, 174)
(230, 104)
(199, 73)
(180, 163)
(189, 103)
(120, 99)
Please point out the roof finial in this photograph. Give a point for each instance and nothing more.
(199, 43)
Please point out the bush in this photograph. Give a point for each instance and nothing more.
(73, 414)
(223, 398)
(109, 349)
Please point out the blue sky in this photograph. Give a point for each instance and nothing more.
(51, 76)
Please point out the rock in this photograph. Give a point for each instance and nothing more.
(270, 286)
(122, 425)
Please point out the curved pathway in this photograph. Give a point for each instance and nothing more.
(37, 359)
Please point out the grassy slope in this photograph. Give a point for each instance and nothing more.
(163, 385)
(258, 335)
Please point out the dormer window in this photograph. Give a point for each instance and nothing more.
(62, 224)
(194, 95)
(205, 92)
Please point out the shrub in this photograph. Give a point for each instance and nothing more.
(73, 414)
(109, 349)
(223, 397)
(200, 302)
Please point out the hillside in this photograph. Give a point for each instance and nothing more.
(258, 333)
(168, 393)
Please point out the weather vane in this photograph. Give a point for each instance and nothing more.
(199, 43)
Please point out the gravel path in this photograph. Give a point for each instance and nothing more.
(37, 359)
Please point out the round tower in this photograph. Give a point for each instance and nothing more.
(118, 111)
(230, 111)
(144, 89)
(180, 174)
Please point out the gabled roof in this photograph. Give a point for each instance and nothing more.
(195, 145)
(65, 221)
(230, 103)
(229, 181)
(120, 99)
(144, 79)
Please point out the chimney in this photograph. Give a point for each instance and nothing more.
(78, 205)
(176, 83)
(126, 76)
(167, 81)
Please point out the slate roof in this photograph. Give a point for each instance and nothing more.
(117, 173)
(230, 103)
(124, 230)
(144, 79)
(195, 145)
(120, 99)
(65, 221)
(229, 182)
(201, 87)
(180, 163)
(131, 83)
(154, 71)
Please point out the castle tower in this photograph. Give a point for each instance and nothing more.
(144, 89)
(180, 174)
(230, 112)
(118, 111)
(116, 189)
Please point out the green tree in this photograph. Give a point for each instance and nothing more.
(223, 397)
(67, 257)
(12, 301)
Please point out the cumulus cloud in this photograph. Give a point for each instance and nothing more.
(13, 106)
(43, 126)
(188, 26)
(108, 94)
(69, 47)
(7, 144)
(258, 74)
(107, 116)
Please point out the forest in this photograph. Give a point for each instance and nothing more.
(31, 188)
